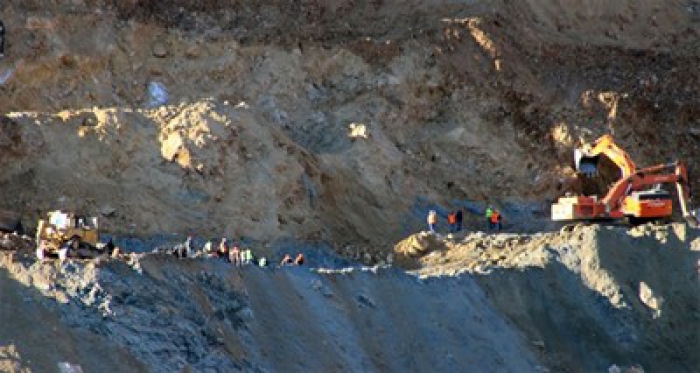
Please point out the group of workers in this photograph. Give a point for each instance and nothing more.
(494, 219)
(287, 260)
(455, 220)
(231, 253)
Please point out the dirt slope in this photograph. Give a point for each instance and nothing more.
(169, 314)
(593, 296)
(579, 300)
(465, 103)
(33, 337)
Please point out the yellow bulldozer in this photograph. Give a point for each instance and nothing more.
(66, 234)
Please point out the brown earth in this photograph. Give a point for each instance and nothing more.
(469, 102)
(463, 104)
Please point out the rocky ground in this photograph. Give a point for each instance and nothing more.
(332, 127)
(158, 313)
(578, 300)
(607, 293)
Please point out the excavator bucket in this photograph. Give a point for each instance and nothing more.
(584, 164)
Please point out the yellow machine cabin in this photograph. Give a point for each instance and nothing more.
(67, 234)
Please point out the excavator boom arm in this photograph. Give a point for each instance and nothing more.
(586, 157)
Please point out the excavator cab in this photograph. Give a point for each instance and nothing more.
(653, 203)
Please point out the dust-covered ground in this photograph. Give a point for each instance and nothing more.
(578, 300)
(590, 294)
(153, 312)
(337, 125)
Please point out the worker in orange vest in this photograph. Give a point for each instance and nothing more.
(234, 255)
(452, 221)
(496, 220)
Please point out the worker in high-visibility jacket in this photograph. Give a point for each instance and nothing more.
(432, 221)
(488, 213)
(452, 221)
(496, 220)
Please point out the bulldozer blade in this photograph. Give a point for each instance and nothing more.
(585, 165)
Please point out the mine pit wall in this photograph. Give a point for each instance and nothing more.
(578, 300)
(464, 101)
(166, 314)
(604, 296)
(475, 101)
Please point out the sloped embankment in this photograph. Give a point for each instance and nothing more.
(463, 101)
(161, 314)
(582, 299)
(590, 297)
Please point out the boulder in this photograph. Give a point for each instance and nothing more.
(160, 50)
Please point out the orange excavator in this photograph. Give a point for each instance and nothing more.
(636, 196)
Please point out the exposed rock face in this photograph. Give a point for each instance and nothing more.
(341, 123)
(586, 299)
(468, 102)
(166, 315)
(616, 294)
